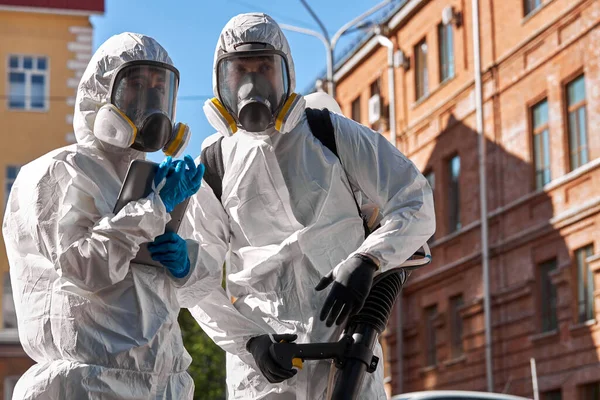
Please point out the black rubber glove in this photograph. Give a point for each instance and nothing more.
(351, 286)
(259, 347)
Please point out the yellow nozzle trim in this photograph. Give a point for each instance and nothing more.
(225, 114)
(297, 362)
(177, 141)
(126, 118)
(284, 110)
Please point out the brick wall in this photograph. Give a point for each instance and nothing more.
(525, 59)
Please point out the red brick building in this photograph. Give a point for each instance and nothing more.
(541, 107)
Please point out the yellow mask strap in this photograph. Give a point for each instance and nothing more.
(177, 141)
(286, 107)
(225, 114)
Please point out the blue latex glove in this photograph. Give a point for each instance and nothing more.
(175, 182)
(171, 251)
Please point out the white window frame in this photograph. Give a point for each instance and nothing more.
(28, 72)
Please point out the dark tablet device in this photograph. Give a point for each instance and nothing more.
(137, 185)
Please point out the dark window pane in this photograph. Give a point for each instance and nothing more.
(552, 395)
(11, 172)
(455, 167)
(430, 176)
(541, 144)
(577, 123)
(531, 5)
(17, 90)
(446, 51)
(591, 391)
(541, 156)
(540, 114)
(41, 63)
(421, 73)
(27, 62)
(576, 91)
(582, 125)
(585, 284)
(537, 151)
(356, 109)
(9, 315)
(574, 141)
(376, 87)
(456, 326)
(13, 62)
(11, 175)
(37, 91)
(548, 299)
(431, 340)
(454, 194)
(546, 150)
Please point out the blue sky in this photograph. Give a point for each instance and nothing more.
(189, 30)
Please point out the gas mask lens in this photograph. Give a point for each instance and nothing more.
(253, 88)
(142, 89)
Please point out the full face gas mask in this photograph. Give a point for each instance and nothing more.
(253, 91)
(141, 109)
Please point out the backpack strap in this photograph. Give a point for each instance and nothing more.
(321, 127)
(212, 158)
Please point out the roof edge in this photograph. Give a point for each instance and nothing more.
(49, 10)
(404, 13)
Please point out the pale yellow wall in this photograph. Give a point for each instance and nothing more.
(26, 135)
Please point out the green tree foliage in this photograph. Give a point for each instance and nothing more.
(208, 360)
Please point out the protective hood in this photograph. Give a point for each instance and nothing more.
(93, 90)
(253, 28)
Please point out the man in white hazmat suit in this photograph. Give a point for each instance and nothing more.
(99, 326)
(288, 221)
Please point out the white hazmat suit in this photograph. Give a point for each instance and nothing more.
(288, 218)
(97, 326)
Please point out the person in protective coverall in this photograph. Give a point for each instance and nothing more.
(287, 225)
(98, 325)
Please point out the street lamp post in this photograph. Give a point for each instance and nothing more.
(324, 36)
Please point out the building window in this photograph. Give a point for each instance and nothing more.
(430, 336)
(11, 175)
(577, 120)
(376, 87)
(9, 386)
(591, 391)
(28, 82)
(456, 326)
(552, 395)
(446, 42)
(548, 299)
(430, 176)
(531, 5)
(356, 109)
(585, 284)
(421, 73)
(9, 315)
(541, 144)
(454, 194)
